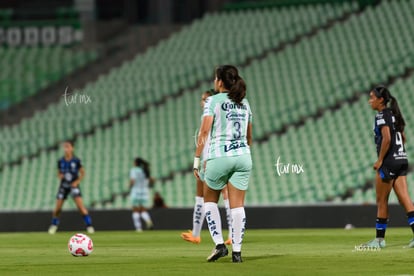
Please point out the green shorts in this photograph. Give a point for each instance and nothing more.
(139, 202)
(234, 169)
(139, 199)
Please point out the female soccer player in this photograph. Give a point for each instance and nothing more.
(198, 213)
(140, 178)
(392, 164)
(70, 173)
(228, 119)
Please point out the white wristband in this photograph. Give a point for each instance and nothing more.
(196, 164)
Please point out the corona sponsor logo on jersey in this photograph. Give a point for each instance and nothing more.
(227, 106)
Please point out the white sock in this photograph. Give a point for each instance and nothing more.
(146, 217)
(238, 226)
(198, 216)
(228, 214)
(213, 222)
(137, 220)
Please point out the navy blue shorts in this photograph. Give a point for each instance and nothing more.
(65, 191)
(392, 171)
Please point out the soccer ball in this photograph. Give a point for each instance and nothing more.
(80, 245)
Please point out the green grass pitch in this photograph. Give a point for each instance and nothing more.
(265, 252)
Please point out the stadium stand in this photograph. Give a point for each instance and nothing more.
(31, 69)
(153, 81)
(286, 88)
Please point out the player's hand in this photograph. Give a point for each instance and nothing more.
(75, 184)
(195, 171)
(377, 165)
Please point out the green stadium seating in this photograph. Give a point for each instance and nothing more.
(173, 65)
(314, 74)
(30, 69)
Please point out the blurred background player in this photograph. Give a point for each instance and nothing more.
(392, 163)
(198, 213)
(158, 201)
(140, 180)
(228, 119)
(70, 173)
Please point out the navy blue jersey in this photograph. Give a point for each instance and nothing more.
(69, 169)
(396, 153)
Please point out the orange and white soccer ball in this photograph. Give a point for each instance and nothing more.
(80, 245)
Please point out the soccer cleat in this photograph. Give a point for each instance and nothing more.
(150, 225)
(90, 229)
(236, 257)
(374, 244)
(52, 229)
(219, 251)
(228, 241)
(411, 244)
(188, 236)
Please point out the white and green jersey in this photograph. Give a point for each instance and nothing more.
(141, 182)
(228, 136)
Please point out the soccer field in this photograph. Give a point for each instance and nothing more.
(265, 252)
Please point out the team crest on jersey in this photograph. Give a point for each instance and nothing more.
(73, 165)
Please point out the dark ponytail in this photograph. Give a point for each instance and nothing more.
(383, 92)
(399, 119)
(235, 84)
(144, 165)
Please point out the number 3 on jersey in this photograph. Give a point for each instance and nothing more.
(237, 127)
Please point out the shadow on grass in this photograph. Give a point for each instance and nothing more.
(397, 245)
(263, 257)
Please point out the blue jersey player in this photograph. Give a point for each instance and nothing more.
(70, 173)
(392, 165)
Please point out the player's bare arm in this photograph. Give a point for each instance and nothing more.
(81, 176)
(385, 145)
(203, 134)
(59, 175)
(201, 140)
